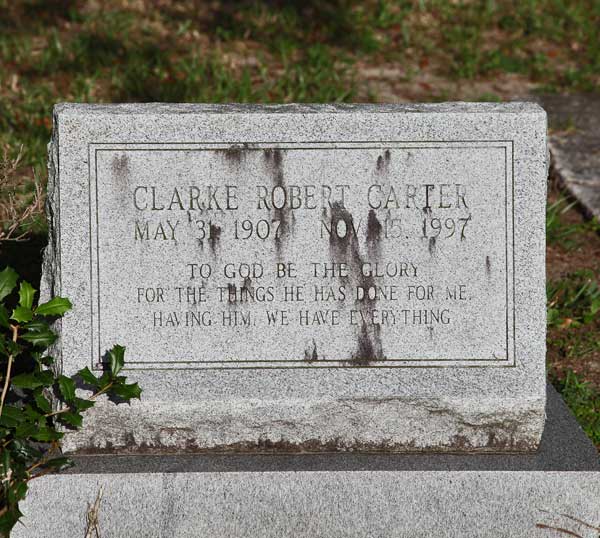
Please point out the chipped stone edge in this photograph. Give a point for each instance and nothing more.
(311, 426)
(458, 107)
(50, 282)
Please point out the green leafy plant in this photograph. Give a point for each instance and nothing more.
(38, 404)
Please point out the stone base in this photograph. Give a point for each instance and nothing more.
(329, 495)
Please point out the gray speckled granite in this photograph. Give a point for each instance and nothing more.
(329, 495)
(473, 381)
(553, 454)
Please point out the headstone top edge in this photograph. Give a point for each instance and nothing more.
(459, 107)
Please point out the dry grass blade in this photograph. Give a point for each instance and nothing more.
(559, 529)
(577, 520)
(93, 523)
(14, 214)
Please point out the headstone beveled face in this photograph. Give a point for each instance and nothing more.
(305, 278)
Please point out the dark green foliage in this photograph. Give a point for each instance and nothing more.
(37, 404)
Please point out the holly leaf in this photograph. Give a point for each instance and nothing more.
(54, 307)
(37, 325)
(3, 317)
(42, 402)
(22, 314)
(59, 463)
(8, 281)
(26, 294)
(39, 338)
(72, 419)
(29, 380)
(46, 434)
(8, 347)
(11, 416)
(26, 429)
(81, 405)
(88, 377)
(116, 359)
(9, 519)
(43, 360)
(4, 345)
(127, 391)
(67, 387)
(24, 450)
(104, 379)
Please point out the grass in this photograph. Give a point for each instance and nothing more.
(20, 208)
(276, 51)
(573, 292)
(574, 301)
(567, 235)
(584, 401)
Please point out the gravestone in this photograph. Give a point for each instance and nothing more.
(304, 278)
(346, 279)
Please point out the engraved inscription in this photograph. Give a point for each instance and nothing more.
(303, 255)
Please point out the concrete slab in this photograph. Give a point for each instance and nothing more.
(574, 144)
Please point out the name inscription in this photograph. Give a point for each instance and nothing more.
(303, 255)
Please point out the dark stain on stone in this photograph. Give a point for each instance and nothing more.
(214, 236)
(488, 266)
(235, 153)
(273, 158)
(383, 161)
(461, 443)
(374, 229)
(432, 241)
(311, 355)
(501, 438)
(201, 244)
(369, 346)
(346, 249)
(339, 245)
(458, 445)
(231, 292)
(262, 445)
(247, 284)
(120, 166)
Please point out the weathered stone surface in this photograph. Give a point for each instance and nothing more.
(157, 211)
(574, 142)
(325, 495)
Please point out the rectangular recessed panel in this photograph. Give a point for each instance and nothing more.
(374, 254)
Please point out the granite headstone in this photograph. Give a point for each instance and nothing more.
(304, 278)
